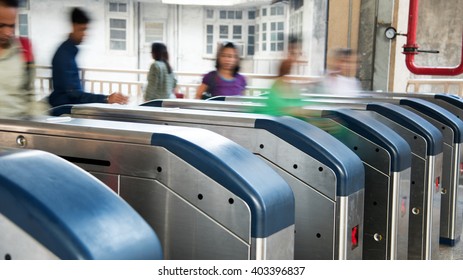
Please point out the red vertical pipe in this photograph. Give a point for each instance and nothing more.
(411, 49)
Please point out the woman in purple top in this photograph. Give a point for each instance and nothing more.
(225, 80)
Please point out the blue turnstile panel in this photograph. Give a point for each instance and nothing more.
(426, 142)
(68, 212)
(413, 122)
(323, 173)
(386, 157)
(452, 129)
(206, 196)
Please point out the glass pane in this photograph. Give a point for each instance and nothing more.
(281, 26)
(273, 26)
(231, 14)
(224, 32)
(251, 29)
(117, 23)
(272, 11)
(250, 50)
(239, 14)
(154, 32)
(264, 27)
(23, 30)
(117, 45)
(264, 47)
(273, 47)
(264, 37)
(281, 36)
(23, 4)
(236, 29)
(280, 10)
(264, 12)
(210, 29)
(117, 34)
(280, 46)
(122, 7)
(22, 19)
(210, 39)
(209, 49)
(251, 40)
(113, 7)
(273, 37)
(251, 14)
(223, 14)
(209, 13)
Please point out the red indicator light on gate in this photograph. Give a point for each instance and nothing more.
(461, 168)
(355, 237)
(437, 183)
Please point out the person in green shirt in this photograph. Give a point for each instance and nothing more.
(161, 78)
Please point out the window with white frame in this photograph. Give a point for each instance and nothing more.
(295, 24)
(154, 32)
(23, 25)
(118, 16)
(23, 19)
(225, 25)
(237, 32)
(272, 31)
(264, 37)
(251, 39)
(277, 11)
(209, 13)
(277, 36)
(23, 4)
(209, 39)
(257, 42)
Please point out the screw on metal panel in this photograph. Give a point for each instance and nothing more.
(21, 141)
(378, 237)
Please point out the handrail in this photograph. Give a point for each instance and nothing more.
(134, 88)
(453, 86)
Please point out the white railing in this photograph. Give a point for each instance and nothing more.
(453, 86)
(132, 82)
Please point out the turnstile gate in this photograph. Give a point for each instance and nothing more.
(51, 209)
(205, 196)
(426, 143)
(387, 162)
(451, 128)
(326, 177)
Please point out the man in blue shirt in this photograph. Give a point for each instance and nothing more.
(65, 72)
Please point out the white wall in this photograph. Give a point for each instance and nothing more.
(50, 26)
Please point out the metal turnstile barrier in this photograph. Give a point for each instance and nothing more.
(451, 126)
(426, 143)
(387, 161)
(326, 177)
(204, 195)
(51, 209)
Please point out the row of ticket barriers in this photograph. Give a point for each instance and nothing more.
(374, 176)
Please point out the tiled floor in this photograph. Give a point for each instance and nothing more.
(451, 253)
(455, 252)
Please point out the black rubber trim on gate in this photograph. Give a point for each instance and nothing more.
(376, 132)
(413, 122)
(449, 98)
(438, 113)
